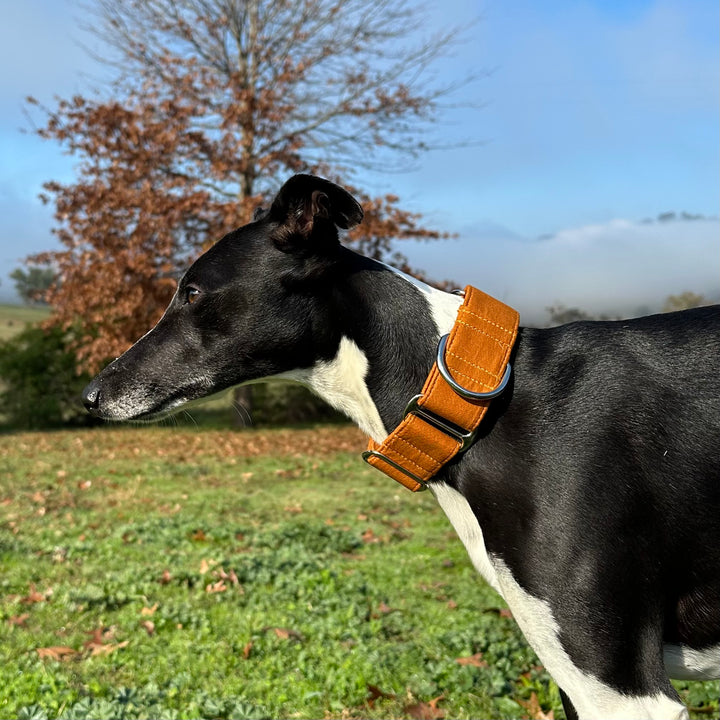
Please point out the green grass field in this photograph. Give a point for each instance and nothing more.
(13, 318)
(164, 572)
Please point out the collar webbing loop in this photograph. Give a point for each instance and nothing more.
(437, 424)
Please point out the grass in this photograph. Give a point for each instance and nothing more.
(171, 573)
(13, 318)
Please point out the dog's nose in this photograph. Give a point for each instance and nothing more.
(91, 397)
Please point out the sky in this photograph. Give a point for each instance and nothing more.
(590, 119)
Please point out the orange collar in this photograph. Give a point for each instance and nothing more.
(472, 367)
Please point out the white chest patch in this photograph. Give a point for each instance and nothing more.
(462, 518)
(341, 383)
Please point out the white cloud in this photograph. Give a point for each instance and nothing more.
(619, 267)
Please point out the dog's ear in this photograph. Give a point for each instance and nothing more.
(312, 207)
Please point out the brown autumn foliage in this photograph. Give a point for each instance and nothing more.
(213, 104)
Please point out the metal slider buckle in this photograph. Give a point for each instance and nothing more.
(374, 453)
(463, 437)
(459, 389)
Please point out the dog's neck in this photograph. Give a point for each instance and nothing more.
(389, 325)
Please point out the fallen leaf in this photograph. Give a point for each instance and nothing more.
(375, 693)
(247, 650)
(370, 537)
(34, 596)
(500, 612)
(474, 660)
(149, 626)
(19, 620)
(426, 710)
(149, 610)
(199, 536)
(231, 576)
(285, 633)
(57, 652)
(216, 587)
(534, 709)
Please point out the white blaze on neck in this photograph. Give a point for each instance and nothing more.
(341, 383)
(444, 306)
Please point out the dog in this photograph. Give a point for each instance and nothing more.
(589, 498)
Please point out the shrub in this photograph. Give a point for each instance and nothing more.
(40, 385)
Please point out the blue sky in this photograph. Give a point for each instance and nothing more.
(596, 115)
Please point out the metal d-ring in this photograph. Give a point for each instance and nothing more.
(459, 389)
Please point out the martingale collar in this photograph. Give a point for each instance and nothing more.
(472, 368)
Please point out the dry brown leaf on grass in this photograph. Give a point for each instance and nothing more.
(98, 643)
(231, 576)
(285, 633)
(375, 693)
(370, 537)
(18, 620)
(426, 710)
(534, 710)
(34, 596)
(474, 660)
(500, 612)
(56, 652)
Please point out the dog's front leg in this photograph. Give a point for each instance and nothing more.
(630, 659)
(570, 712)
(604, 674)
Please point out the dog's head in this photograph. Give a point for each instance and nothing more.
(250, 307)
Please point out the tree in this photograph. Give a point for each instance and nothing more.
(560, 315)
(214, 104)
(683, 301)
(33, 284)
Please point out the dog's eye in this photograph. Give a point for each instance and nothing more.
(191, 295)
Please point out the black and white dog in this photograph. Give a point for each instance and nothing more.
(591, 498)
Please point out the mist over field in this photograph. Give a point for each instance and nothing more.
(619, 268)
